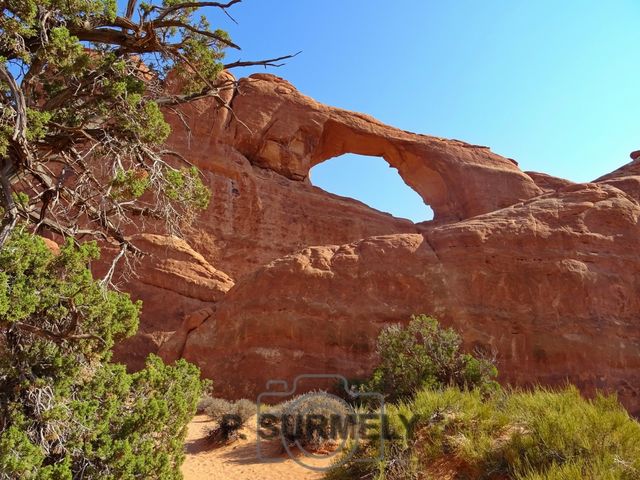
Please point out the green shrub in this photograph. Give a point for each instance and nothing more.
(425, 355)
(534, 435)
(448, 419)
(564, 431)
(65, 410)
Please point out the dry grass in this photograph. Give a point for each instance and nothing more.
(535, 435)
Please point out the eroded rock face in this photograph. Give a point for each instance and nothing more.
(538, 270)
(627, 177)
(550, 285)
(548, 183)
(172, 280)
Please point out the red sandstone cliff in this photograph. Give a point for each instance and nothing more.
(279, 277)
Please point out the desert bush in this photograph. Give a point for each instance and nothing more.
(443, 422)
(399, 463)
(203, 403)
(425, 355)
(564, 431)
(216, 408)
(521, 435)
(229, 416)
(245, 409)
(306, 418)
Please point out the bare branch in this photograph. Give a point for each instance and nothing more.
(20, 130)
(56, 337)
(179, 99)
(229, 15)
(10, 210)
(106, 280)
(206, 33)
(131, 5)
(112, 37)
(181, 6)
(266, 63)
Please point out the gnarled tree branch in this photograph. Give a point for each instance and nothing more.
(265, 63)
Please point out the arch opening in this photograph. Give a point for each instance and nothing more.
(372, 181)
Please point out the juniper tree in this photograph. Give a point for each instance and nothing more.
(82, 92)
(83, 87)
(65, 410)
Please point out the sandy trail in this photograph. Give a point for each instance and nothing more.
(239, 461)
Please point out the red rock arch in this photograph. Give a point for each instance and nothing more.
(277, 127)
(338, 139)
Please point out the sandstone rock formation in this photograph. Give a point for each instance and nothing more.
(627, 177)
(538, 270)
(173, 280)
(549, 285)
(276, 127)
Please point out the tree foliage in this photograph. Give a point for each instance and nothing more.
(82, 88)
(65, 410)
(425, 355)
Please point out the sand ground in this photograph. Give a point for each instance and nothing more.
(239, 461)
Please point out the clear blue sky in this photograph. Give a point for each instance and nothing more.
(552, 84)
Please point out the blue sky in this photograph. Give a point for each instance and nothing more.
(554, 85)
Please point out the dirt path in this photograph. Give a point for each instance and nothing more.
(239, 461)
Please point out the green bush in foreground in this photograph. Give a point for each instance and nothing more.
(450, 421)
(425, 355)
(517, 435)
(65, 410)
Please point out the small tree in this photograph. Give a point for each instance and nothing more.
(82, 88)
(425, 355)
(65, 411)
